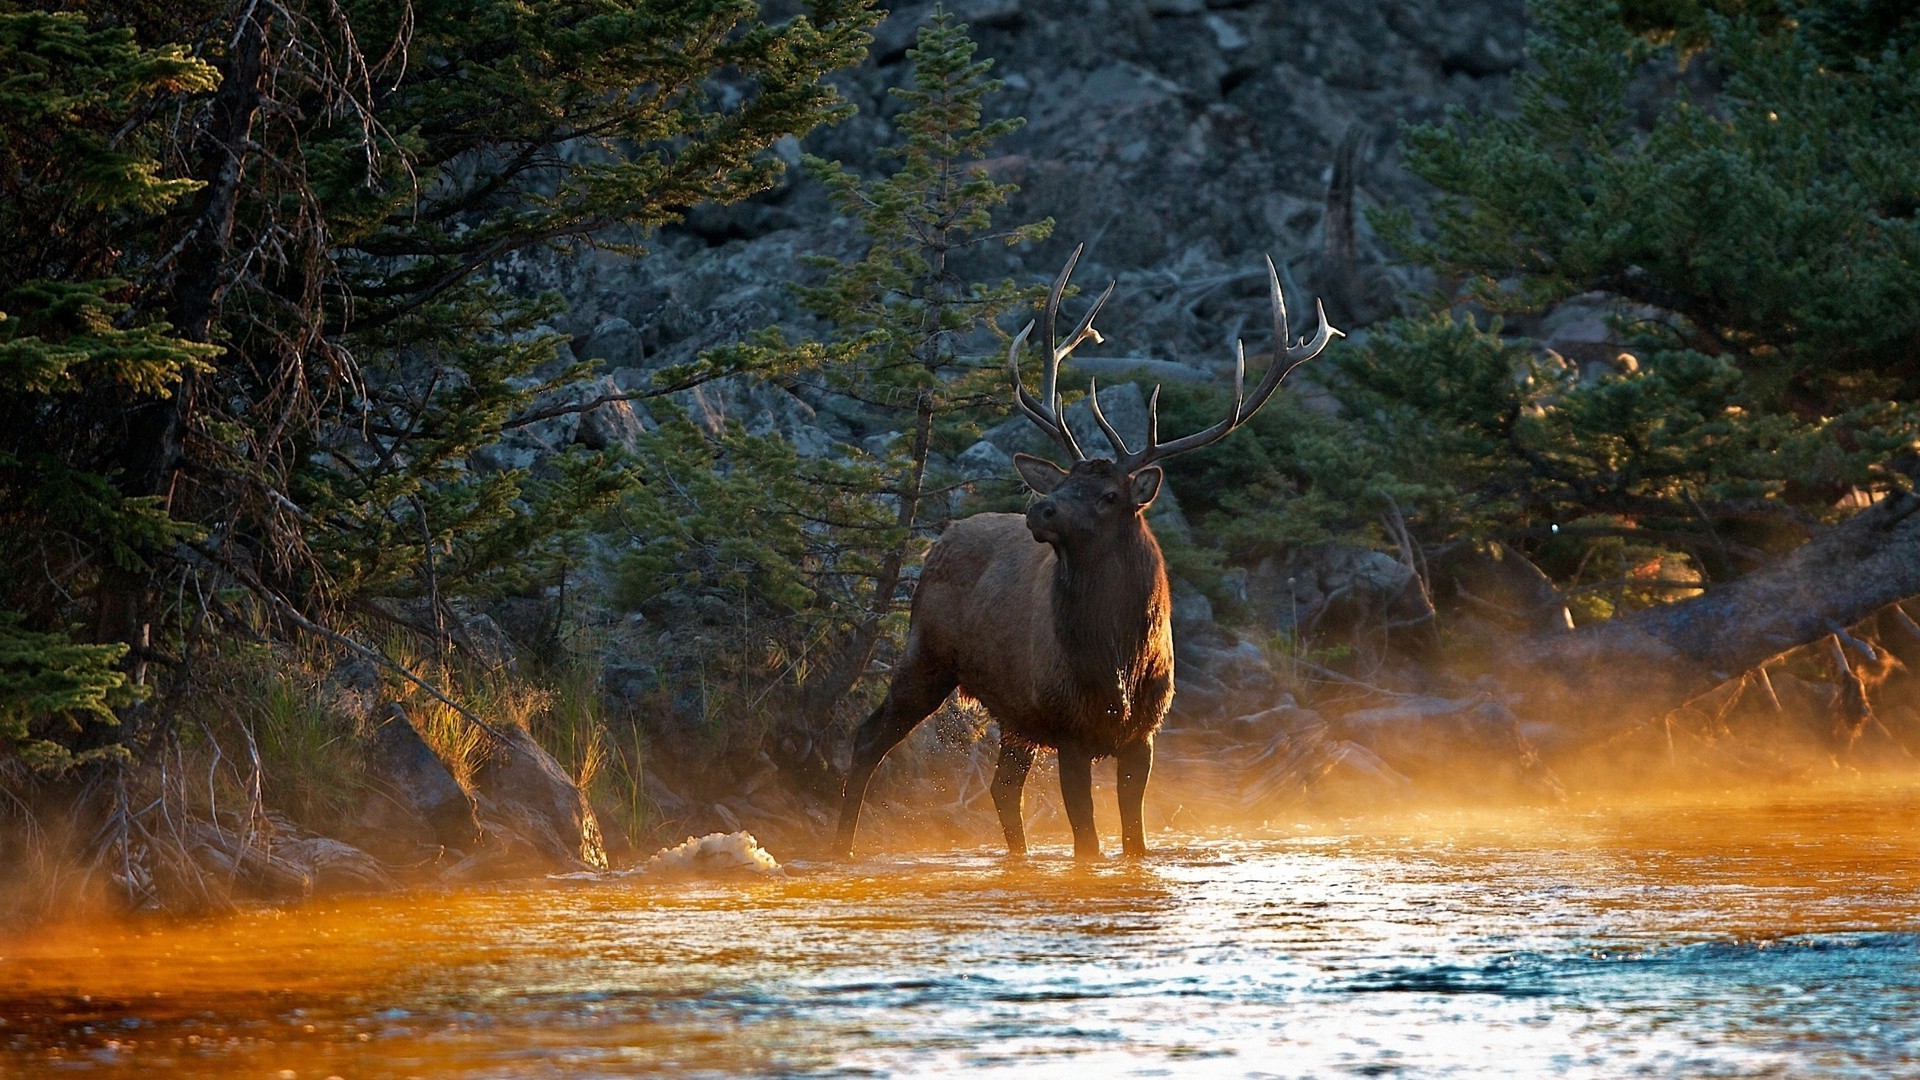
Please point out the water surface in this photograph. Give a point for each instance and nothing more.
(1777, 938)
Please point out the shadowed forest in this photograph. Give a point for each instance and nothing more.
(451, 442)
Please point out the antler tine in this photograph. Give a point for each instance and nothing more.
(1120, 451)
(1045, 411)
(1287, 355)
(1043, 417)
(1050, 374)
(1084, 331)
(1284, 347)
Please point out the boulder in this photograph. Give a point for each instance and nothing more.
(1494, 581)
(611, 424)
(1333, 588)
(530, 807)
(615, 343)
(415, 803)
(984, 461)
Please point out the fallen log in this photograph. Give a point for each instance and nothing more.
(1622, 671)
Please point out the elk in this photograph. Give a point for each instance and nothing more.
(1057, 620)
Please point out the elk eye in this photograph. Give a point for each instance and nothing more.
(1110, 497)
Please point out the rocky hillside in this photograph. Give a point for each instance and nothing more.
(1179, 139)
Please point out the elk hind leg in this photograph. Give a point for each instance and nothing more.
(1076, 791)
(1134, 764)
(915, 693)
(1009, 783)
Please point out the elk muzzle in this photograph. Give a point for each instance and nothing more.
(1043, 521)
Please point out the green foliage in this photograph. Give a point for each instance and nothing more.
(625, 97)
(814, 552)
(52, 690)
(1777, 222)
(257, 318)
(1763, 233)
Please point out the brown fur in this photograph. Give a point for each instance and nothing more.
(1066, 641)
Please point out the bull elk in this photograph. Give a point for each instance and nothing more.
(1057, 620)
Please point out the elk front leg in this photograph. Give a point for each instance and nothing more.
(1076, 791)
(1009, 781)
(1134, 764)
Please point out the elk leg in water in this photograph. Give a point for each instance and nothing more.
(1076, 791)
(1133, 765)
(1009, 781)
(912, 696)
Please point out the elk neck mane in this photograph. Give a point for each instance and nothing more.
(1104, 607)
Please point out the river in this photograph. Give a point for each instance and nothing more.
(1765, 937)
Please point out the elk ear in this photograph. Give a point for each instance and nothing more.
(1144, 485)
(1040, 474)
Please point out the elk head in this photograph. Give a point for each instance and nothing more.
(1098, 497)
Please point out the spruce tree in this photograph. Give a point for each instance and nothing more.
(830, 544)
(1739, 181)
(256, 311)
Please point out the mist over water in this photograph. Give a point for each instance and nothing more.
(1770, 938)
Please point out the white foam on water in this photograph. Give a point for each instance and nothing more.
(712, 855)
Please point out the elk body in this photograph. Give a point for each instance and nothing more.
(1058, 620)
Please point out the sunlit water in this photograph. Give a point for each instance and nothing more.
(1771, 939)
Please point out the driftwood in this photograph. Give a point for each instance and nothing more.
(1626, 670)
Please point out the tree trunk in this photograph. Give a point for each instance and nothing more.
(823, 696)
(151, 445)
(1649, 663)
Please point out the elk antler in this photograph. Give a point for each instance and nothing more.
(1284, 349)
(1045, 411)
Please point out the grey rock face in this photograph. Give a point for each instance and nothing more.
(534, 809)
(1329, 587)
(419, 804)
(983, 461)
(611, 424)
(1181, 139)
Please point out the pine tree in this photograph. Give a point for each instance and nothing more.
(830, 544)
(255, 320)
(1769, 227)
(78, 169)
(1773, 226)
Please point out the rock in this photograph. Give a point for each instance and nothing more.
(1333, 588)
(416, 803)
(481, 638)
(762, 409)
(1219, 672)
(1192, 611)
(616, 343)
(1122, 405)
(984, 461)
(527, 621)
(1478, 40)
(612, 424)
(528, 802)
(1116, 370)
(1496, 582)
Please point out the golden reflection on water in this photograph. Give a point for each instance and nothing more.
(1759, 938)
